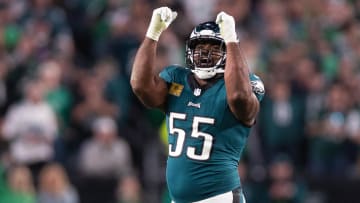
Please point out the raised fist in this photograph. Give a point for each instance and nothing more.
(161, 19)
(227, 27)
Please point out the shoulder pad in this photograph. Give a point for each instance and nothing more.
(257, 86)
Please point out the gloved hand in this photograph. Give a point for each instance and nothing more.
(227, 27)
(160, 20)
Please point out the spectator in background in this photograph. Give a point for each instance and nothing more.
(31, 128)
(48, 11)
(280, 123)
(103, 160)
(54, 186)
(122, 42)
(93, 104)
(3, 95)
(255, 191)
(23, 60)
(117, 88)
(111, 152)
(315, 97)
(128, 190)
(192, 9)
(57, 95)
(20, 187)
(241, 12)
(35, 30)
(11, 31)
(284, 185)
(275, 32)
(330, 152)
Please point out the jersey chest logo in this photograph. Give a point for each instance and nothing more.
(197, 105)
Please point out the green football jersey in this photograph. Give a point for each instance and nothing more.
(205, 139)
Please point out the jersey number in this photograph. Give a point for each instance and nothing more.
(190, 151)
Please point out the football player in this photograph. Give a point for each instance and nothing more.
(210, 106)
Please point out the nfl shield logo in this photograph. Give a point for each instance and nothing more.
(197, 91)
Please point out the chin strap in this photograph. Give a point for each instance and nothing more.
(207, 73)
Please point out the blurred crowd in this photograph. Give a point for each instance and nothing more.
(72, 130)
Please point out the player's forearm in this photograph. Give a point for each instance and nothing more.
(142, 75)
(146, 84)
(236, 74)
(241, 99)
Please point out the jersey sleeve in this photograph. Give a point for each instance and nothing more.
(257, 86)
(168, 74)
(174, 74)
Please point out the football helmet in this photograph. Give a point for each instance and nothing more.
(205, 63)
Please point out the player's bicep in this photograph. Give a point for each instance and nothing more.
(153, 95)
(163, 88)
(246, 110)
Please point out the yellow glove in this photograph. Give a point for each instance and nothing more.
(161, 19)
(227, 27)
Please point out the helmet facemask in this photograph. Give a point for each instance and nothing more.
(206, 62)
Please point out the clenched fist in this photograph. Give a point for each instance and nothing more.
(161, 19)
(227, 27)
